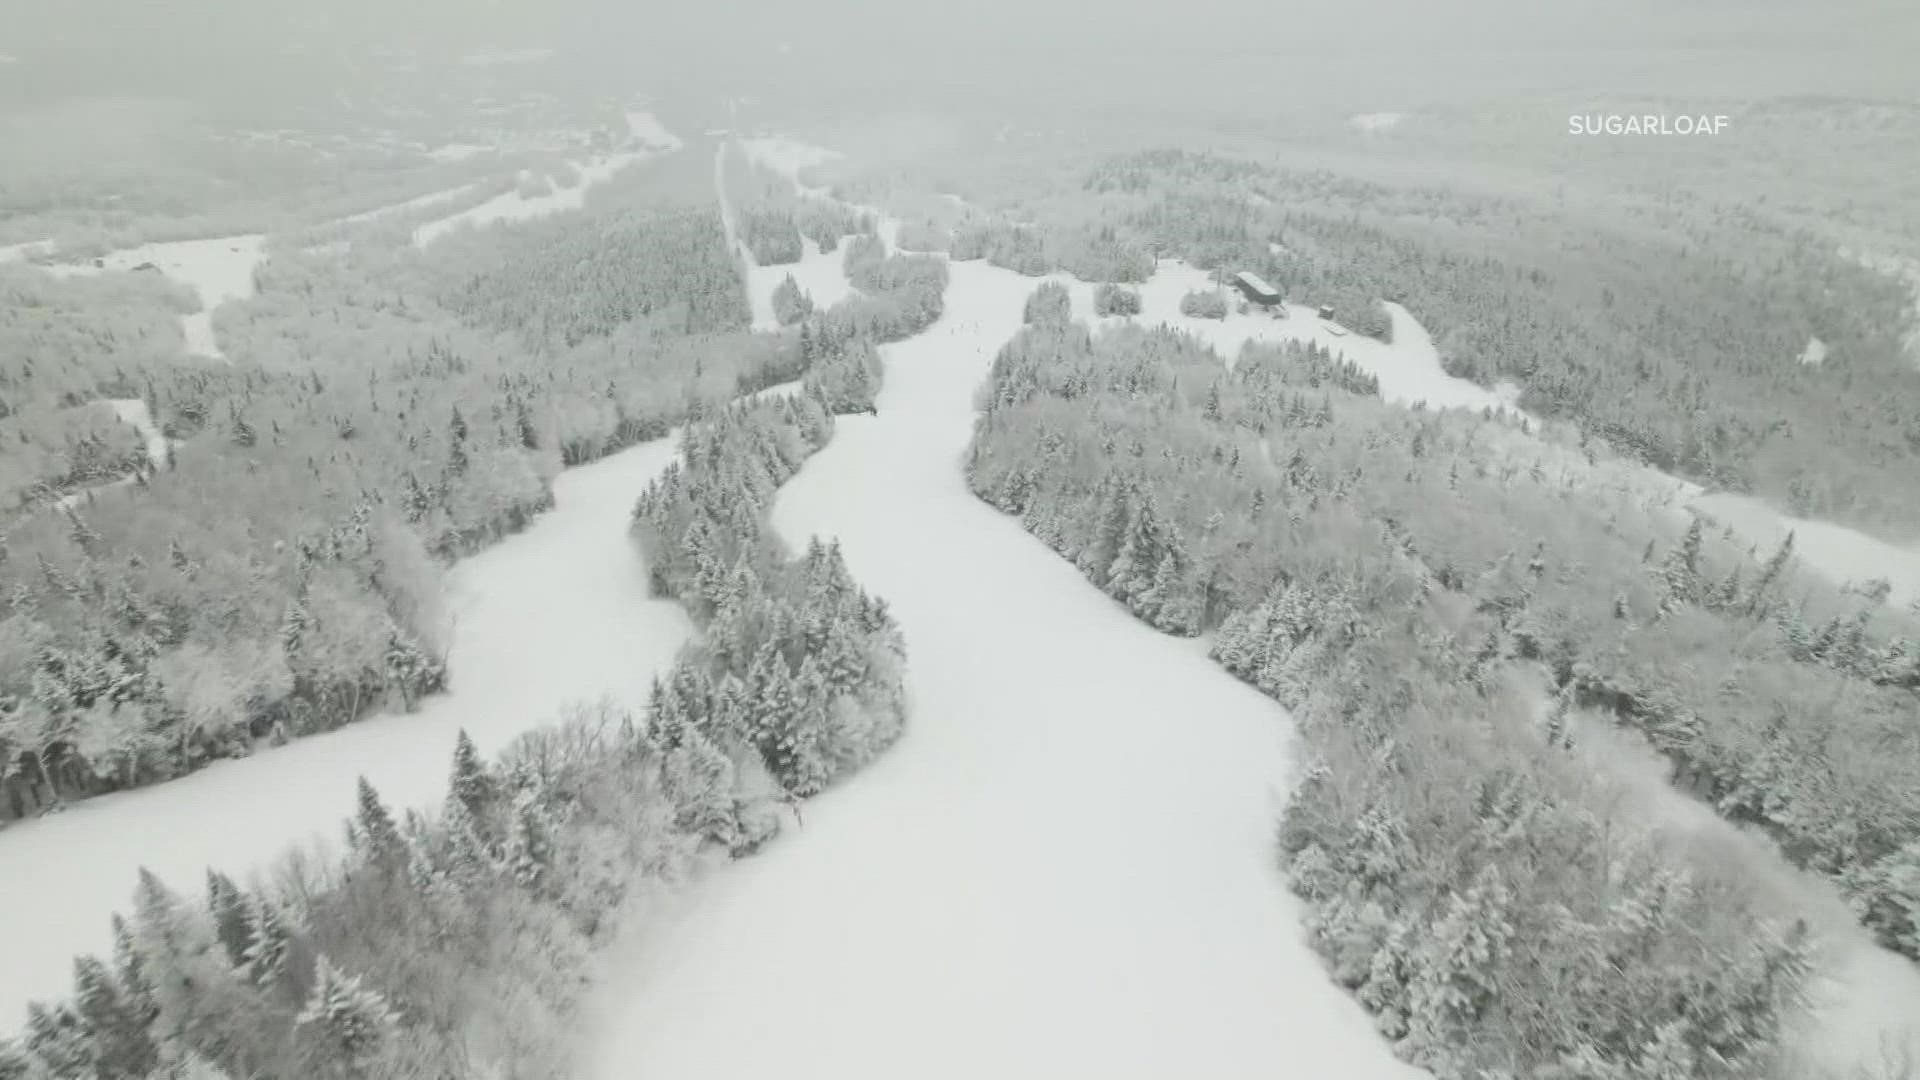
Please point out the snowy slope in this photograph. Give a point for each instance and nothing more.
(557, 614)
(1066, 869)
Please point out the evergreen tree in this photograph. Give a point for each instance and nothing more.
(348, 1021)
(268, 940)
(229, 908)
(122, 1048)
(470, 782)
(373, 828)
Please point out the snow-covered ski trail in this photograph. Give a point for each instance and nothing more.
(1065, 869)
(555, 615)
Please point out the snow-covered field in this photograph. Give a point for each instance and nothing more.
(1065, 869)
(420, 202)
(557, 614)
(21, 252)
(218, 269)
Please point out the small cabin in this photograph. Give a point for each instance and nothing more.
(1326, 312)
(1256, 290)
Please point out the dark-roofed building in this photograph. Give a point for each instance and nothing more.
(1255, 289)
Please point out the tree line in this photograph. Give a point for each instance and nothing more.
(454, 944)
(385, 409)
(1473, 879)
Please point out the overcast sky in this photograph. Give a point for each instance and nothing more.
(1109, 48)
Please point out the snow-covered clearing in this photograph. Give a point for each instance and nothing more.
(134, 412)
(419, 202)
(131, 411)
(218, 269)
(1065, 869)
(1815, 353)
(643, 128)
(513, 206)
(1408, 367)
(29, 250)
(557, 614)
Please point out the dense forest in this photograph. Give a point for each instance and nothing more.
(1469, 870)
(1672, 331)
(385, 408)
(455, 945)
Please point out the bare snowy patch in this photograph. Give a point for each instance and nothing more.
(1815, 353)
(1377, 121)
(32, 249)
(217, 269)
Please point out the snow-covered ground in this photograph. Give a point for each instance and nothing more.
(642, 126)
(21, 252)
(420, 202)
(1864, 997)
(513, 206)
(820, 274)
(1815, 353)
(1840, 554)
(1065, 869)
(1408, 367)
(557, 614)
(218, 269)
(132, 411)
(1378, 121)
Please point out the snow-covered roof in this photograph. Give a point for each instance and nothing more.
(1256, 283)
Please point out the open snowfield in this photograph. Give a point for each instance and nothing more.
(1408, 368)
(28, 250)
(1065, 869)
(820, 274)
(557, 614)
(218, 269)
(420, 202)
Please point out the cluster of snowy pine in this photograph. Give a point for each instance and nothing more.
(1089, 252)
(400, 959)
(274, 574)
(797, 661)
(1472, 885)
